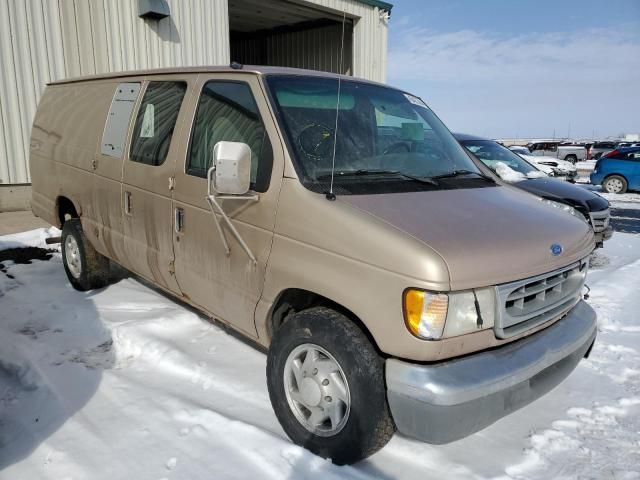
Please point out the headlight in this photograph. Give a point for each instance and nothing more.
(565, 208)
(431, 316)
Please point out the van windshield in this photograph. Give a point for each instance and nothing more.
(386, 141)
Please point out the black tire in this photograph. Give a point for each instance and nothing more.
(369, 425)
(606, 186)
(93, 267)
(571, 158)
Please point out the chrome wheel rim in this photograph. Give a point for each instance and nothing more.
(72, 255)
(614, 185)
(317, 390)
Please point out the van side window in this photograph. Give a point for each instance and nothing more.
(155, 122)
(118, 118)
(227, 111)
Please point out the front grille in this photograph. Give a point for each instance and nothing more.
(600, 220)
(527, 303)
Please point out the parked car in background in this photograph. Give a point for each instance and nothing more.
(394, 281)
(599, 148)
(558, 149)
(520, 173)
(618, 170)
(559, 168)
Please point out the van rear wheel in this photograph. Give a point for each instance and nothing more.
(85, 267)
(327, 388)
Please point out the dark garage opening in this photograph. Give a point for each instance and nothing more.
(289, 34)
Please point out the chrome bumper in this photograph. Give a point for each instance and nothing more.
(446, 401)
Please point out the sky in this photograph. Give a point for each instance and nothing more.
(516, 68)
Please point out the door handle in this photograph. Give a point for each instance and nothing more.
(179, 219)
(127, 203)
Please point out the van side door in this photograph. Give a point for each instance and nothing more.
(230, 108)
(106, 232)
(148, 180)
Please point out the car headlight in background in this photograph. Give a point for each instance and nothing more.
(565, 208)
(431, 316)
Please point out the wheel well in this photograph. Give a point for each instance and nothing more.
(615, 175)
(66, 209)
(294, 300)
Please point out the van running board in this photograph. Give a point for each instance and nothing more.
(214, 206)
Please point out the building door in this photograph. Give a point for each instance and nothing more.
(148, 179)
(290, 34)
(228, 286)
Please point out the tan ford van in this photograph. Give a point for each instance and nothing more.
(336, 222)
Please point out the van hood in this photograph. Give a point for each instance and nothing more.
(486, 236)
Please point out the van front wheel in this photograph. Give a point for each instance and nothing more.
(85, 267)
(326, 385)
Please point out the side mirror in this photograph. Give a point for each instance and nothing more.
(231, 170)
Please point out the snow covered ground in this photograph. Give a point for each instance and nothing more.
(124, 383)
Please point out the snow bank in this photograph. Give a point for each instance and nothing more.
(621, 198)
(32, 238)
(16, 364)
(508, 174)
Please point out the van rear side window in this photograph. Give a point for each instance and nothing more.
(117, 125)
(155, 122)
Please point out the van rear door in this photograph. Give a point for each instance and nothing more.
(148, 180)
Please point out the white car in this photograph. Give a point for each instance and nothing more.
(551, 165)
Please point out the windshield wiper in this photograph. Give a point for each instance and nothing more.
(364, 172)
(460, 173)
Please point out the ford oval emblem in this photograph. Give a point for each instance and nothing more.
(556, 249)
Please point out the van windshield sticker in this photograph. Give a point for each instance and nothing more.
(415, 100)
(147, 130)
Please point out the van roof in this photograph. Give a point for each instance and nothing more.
(248, 69)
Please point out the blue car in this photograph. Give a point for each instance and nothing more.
(618, 170)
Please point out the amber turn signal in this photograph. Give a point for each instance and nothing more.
(425, 313)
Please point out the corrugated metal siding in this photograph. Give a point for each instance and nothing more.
(314, 48)
(46, 40)
(369, 37)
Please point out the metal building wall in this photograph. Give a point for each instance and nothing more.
(369, 36)
(46, 40)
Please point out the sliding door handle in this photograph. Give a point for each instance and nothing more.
(179, 219)
(127, 203)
